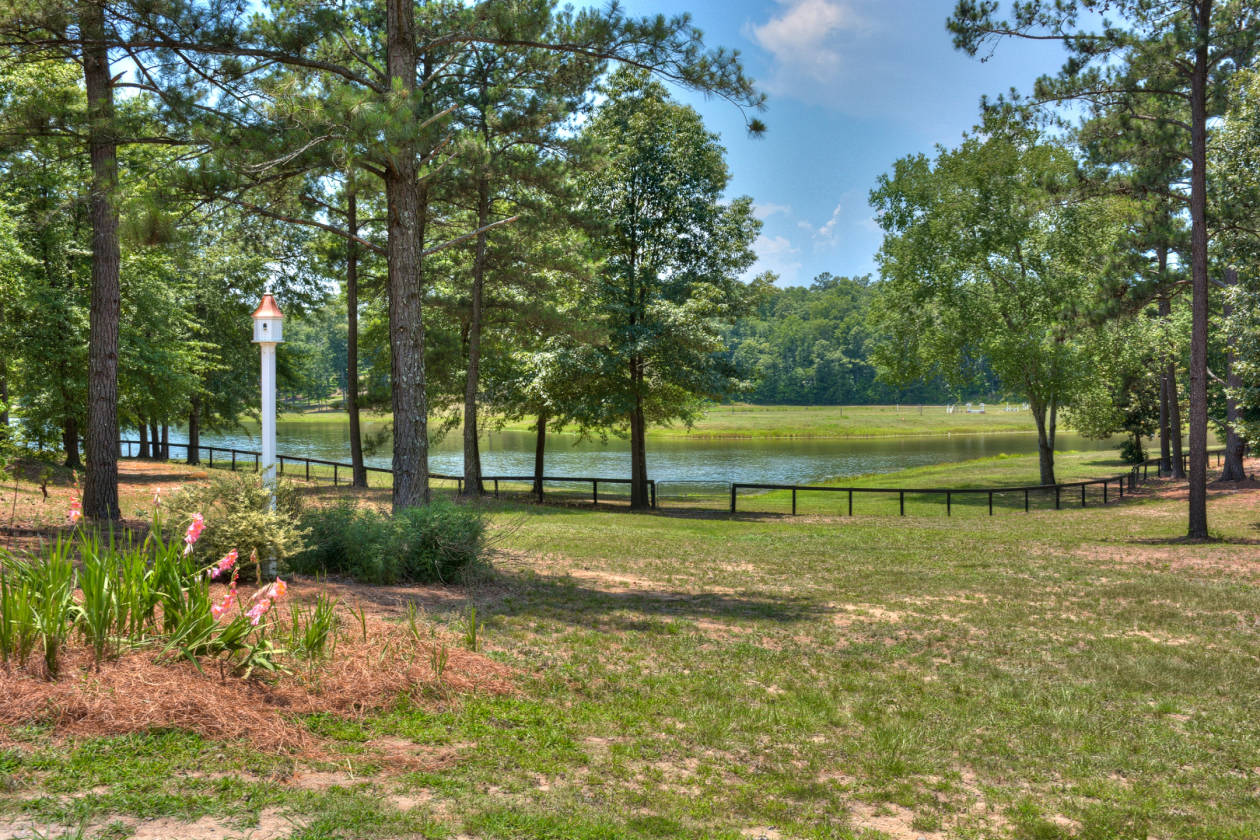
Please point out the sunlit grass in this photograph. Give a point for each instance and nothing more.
(1056, 674)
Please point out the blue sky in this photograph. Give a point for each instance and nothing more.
(853, 85)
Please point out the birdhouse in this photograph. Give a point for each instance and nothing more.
(268, 322)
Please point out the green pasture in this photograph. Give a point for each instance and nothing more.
(777, 421)
(1042, 676)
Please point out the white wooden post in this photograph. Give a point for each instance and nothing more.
(268, 332)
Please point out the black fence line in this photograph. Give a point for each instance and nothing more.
(338, 466)
(1139, 473)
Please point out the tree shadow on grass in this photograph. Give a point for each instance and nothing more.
(579, 602)
(1176, 541)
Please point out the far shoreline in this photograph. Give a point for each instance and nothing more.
(748, 422)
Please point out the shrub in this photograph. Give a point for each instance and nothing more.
(431, 544)
(1131, 451)
(238, 515)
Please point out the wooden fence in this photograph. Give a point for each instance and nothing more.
(1063, 492)
(230, 458)
(1139, 473)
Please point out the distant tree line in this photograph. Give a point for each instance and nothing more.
(811, 345)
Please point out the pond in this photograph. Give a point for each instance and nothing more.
(702, 461)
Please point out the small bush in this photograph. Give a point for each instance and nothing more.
(1131, 451)
(238, 515)
(431, 544)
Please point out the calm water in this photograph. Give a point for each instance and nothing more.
(698, 460)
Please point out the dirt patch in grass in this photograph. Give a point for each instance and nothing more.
(272, 825)
(891, 820)
(139, 691)
(1241, 561)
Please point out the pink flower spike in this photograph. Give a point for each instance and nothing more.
(157, 497)
(76, 512)
(257, 611)
(223, 566)
(193, 533)
(278, 589)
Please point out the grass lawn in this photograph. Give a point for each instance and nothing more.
(1070, 674)
(771, 421)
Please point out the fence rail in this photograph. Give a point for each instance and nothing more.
(253, 459)
(1122, 483)
(1138, 474)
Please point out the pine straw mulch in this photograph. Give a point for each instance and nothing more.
(136, 692)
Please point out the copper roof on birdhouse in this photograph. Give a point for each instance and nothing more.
(268, 308)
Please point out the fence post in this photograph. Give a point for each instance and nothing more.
(308, 470)
(794, 501)
(901, 494)
(948, 504)
(1104, 491)
(850, 503)
(334, 475)
(1082, 494)
(1026, 499)
(732, 497)
(496, 488)
(211, 457)
(594, 491)
(653, 495)
(233, 460)
(990, 503)
(255, 462)
(1057, 490)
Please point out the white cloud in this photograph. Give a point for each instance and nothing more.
(809, 40)
(801, 37)
(766, 246)
(827, 230)
(777, 254)
(765, 211)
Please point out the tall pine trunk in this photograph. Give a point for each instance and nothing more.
(144, 440)
(540, 454)
(4, 394)
(1174, 421)
(403, 214)
(639, 497)
(100, 487)
(1235, 446)
(1197, 526)
(155, 437)
(1164, 450)
(194, 431)
(166, 442)
(70, 443)
(472, 455)
(1165, 416)
(359, 472)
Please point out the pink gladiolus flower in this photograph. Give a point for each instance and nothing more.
(193, 533)
(226, 604)
(257, 611)
(223, 566)
(278, 589)
(76, 512)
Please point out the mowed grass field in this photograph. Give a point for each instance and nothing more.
(778, 421)
(1070, 674)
